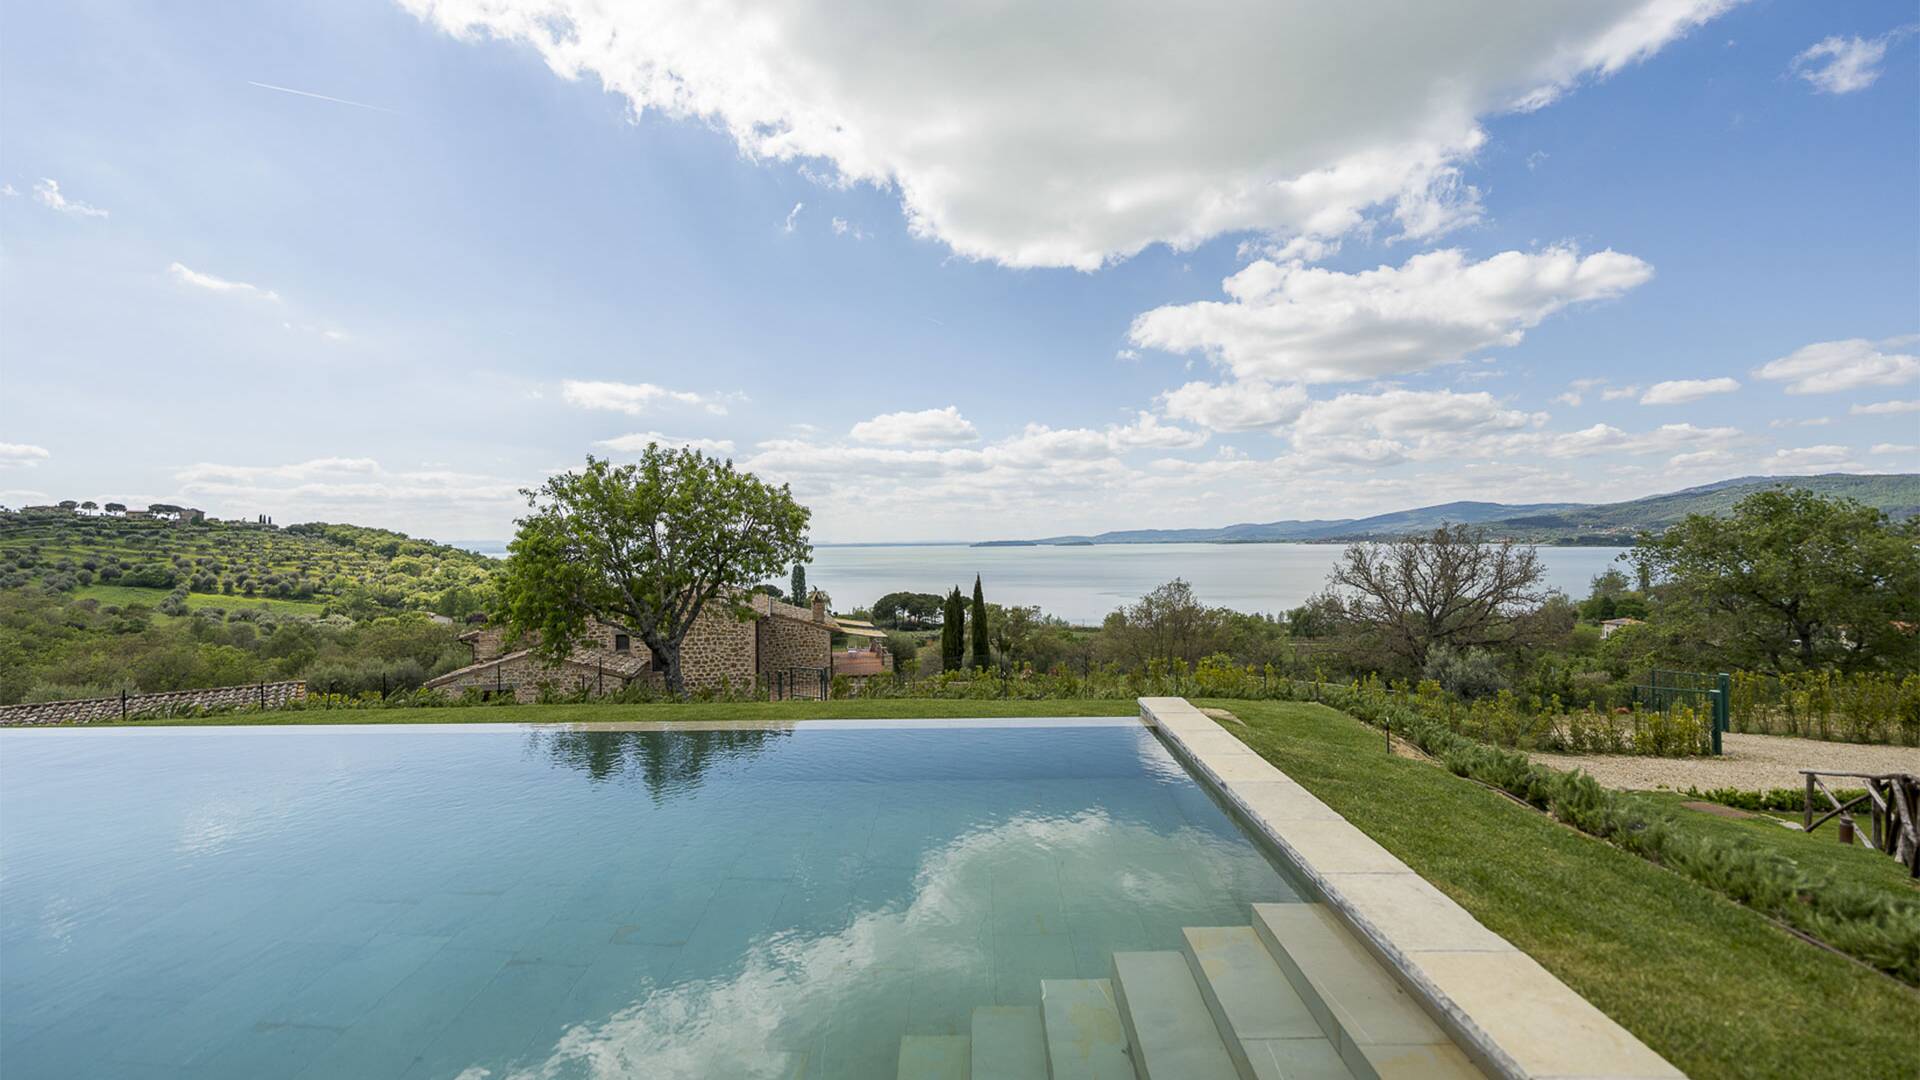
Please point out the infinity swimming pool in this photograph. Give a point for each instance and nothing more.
(491, 901)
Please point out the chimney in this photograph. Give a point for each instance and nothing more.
(819, 606)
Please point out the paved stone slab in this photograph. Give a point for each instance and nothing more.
(1167, 1022)
(1234, 768)
(1294, 1059)
(1085, 1039)
(1548, 1030)
(1243, 985)
(1406, 909)
(1353, 997)
(1009, 1043)
(1370, 892)
(933, 1057)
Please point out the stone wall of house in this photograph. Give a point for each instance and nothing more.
(271, 695)
(719, 648)
(790, 644)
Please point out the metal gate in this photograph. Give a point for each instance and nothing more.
(799, 684)
(1709, 693)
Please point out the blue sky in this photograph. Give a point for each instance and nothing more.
(954, 278)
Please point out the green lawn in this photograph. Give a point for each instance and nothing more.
(1716, 988)
(885, 709)
(130, 594)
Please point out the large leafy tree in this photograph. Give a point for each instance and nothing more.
(649, 546)
(1448, 587)
(1788, 579)
(982, 652)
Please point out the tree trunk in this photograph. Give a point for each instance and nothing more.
(666, 660)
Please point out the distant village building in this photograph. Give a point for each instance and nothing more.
(719, 649)
(1611, 626)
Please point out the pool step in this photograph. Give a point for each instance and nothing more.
(1009, 1043)
(1085, 1037)
(1268, 1029)
(1167, 1021)
(933, 1057)
(1380, 1031)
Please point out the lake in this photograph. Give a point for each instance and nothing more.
(1083, 584)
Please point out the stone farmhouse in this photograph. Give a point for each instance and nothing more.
(780, 637)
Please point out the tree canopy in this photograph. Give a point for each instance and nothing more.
(648, 546)
(1448, 587)
(1790, 579)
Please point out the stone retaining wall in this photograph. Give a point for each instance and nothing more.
(95, 710)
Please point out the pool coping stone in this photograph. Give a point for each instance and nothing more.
(1511, 1015)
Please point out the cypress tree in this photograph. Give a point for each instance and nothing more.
(953, 641)
(982, 658)
(800, 584)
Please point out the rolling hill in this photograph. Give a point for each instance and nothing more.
(1561, 523)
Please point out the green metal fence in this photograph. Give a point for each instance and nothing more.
(1665, 689)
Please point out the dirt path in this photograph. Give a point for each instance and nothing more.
(1751, 762)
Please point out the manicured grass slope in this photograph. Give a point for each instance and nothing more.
(132, 594)
(1716, 988)
(697, 712)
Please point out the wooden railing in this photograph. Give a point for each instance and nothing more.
(1894, 804)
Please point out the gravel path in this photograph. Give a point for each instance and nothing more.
(1751, 763)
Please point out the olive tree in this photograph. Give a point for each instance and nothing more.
(649, 546)
(1448, 587)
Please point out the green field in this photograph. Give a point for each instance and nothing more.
(130, 594)
(1716, 988)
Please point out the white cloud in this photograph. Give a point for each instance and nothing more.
(640, 440)
(793, 216)
(1305, 324)
(1242, 406)
(1842, 65)
(1885, 408)
(1125, 125)
(1894, 448)
(1617, 393)
(1605, 439)
(636, 398)
(1804, 459)
(843, 227)
(1828, 366)
(1810, 421)
(47, 191)
(1577, 391)
(22, 455)
(925, 427)
(345, 489)
(198, 280)
(1682, 391)
(1401, 425)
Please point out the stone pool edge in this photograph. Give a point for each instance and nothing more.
(1510, 1014)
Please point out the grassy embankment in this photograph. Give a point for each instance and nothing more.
(1715, 987)
(133, 594)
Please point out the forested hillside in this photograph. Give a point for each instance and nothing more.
(313, 568)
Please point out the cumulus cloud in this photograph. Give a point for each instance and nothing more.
(925, 427)
(1810, 459)
(1577, 391)
(1894, 448)
(1829, 366)
(1305, 324)
(22, 455)
(1115, 126)
(1885, 408)
(48, 192)
(338, 488)
(640, 440)
(1250, 405)
(1842, 65)
(1681, 391)
(187, 276)
(636, 398)
(1617, 393)
(1401, 425)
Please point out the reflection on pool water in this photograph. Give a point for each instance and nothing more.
(484, 901)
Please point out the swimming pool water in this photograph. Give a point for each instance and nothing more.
(484, 901)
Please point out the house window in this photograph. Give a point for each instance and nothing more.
(622, 643)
